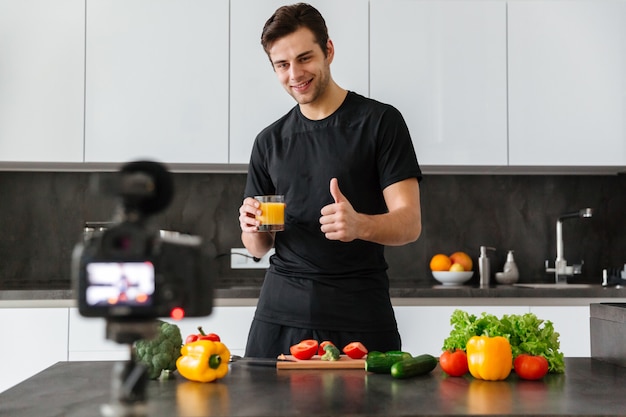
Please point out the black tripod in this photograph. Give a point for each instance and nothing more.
(129, 378)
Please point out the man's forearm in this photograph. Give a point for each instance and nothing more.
(258, 244)
(392, 229)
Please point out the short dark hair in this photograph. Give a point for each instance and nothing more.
(288, 19)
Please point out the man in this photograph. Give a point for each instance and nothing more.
(348, 171)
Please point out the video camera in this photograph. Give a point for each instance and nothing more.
(131, 271)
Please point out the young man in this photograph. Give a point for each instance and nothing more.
(348, 171)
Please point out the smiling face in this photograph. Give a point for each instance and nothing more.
(301, 66)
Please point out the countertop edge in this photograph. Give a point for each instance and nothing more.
(400, 296)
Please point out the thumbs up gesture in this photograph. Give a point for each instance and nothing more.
(339, 221)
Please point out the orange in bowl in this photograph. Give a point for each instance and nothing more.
(462, 259)
(440, 262)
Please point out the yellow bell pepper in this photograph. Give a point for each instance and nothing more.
(203, 361)
(489, 358)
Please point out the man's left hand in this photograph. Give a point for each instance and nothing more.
(339, 220)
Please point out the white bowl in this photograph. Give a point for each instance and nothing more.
(452, 277)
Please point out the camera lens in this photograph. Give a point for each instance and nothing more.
(126, 240)
(122, 243)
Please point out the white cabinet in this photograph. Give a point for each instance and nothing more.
(424, 329)
(87, 336)
(567, 83)
(573, 325)
(230, 323)
(157, 81)
(87, 340)
(42, 49)
(32, 340)
(443, 65)
(257, 98)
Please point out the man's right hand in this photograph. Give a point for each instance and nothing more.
(247, 215)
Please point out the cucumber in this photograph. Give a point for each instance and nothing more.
(374, 353)
(378, 364)
(419, 365)
(398, 355)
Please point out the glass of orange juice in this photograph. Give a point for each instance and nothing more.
(272, 216)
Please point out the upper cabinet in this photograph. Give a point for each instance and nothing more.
(157, 81)
(443, 65)
(482, 84)
(42, 52)
(567, 83)
(256, 97)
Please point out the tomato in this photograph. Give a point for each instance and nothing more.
(530, 366)
(454, 363)
(306, 349)
(355, 350)
(320, 350)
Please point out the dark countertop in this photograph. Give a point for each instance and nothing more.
(587, 388)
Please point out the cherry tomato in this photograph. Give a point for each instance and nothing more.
(306, 349)
(320, 350)
(530, 366)
(355, 350)
(454, 363)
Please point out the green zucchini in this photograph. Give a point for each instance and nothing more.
(419, 365)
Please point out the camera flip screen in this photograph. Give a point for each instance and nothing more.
(120, 284)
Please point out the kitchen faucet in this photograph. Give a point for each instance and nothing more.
(561, 270)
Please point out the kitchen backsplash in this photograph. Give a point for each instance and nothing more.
(42, 216)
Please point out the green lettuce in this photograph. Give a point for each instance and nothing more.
(526, 333)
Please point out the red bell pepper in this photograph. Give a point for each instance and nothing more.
(202, 336)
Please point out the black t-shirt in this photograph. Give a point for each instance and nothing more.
(314, 282)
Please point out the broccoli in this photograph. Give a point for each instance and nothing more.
(331, 353)
(160, 354)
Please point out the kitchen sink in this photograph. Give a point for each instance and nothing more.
(545, 285)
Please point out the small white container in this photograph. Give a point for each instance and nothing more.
(510, 275)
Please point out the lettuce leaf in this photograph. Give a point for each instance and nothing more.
(526, 333)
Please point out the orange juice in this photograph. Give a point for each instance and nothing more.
(272, 217)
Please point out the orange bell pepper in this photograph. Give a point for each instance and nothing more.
(489, 358)
(203, 361)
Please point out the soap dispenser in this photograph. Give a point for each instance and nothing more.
(484, 266)
(510, 275)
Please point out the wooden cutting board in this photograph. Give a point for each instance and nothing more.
(316, 362)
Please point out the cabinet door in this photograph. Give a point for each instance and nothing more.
(443, 65)
(567, 78)
(87, 336)
(424, 329)
(42, 49)
(32, 340)
(572, 324)
(157, 81)
(257, 99)
(230, 323)
(87, 340)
